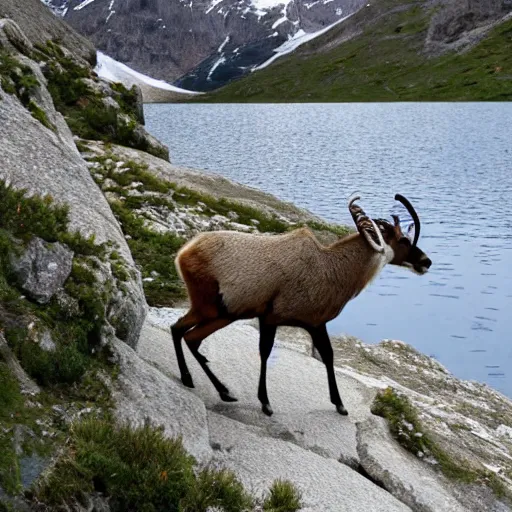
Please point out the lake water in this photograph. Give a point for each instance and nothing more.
(453, 161)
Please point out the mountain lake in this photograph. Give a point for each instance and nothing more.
(452, 160)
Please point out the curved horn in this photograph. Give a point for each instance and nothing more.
(366, 226)
(413, 214)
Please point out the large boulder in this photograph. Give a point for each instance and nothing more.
(42, 269)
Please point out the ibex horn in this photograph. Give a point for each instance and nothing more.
(365, 225)
(413, 214)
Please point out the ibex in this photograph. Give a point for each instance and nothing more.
(284, 280)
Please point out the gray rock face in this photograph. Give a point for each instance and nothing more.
(27, 385)
(305, 431)
(402, 474)
(42, 269)
(144, 394)
(303, 413)
(46, 162)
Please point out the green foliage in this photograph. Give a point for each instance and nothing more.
(85, 112)
(127, 99)
(26, 216)
(283, 497)
(76, 331)
(139, 469)
(19, 79)
(39, 114)
(154, 253)
(217, 488)
(407, 429)
(387, 61)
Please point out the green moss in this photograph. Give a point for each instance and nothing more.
(127, 99)
(386, 61)
(154, 253)
(407, 429)
(283, 497)
(246, 214)
(76, 330)
(39, 114)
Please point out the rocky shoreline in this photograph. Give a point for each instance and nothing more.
(103, 214)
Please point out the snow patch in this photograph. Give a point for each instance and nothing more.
(268, 4)
(213, 5)
(279, 21)
(297, 40)
(83, 4)
(226, 41)
(115, 71)
(312, 4)
(215, 66)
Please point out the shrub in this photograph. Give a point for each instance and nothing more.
(283, 497)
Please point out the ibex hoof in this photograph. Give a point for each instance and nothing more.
(187, 381)
(342, 410)
(226, 397)
(267, 409)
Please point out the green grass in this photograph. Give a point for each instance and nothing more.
(406, 427)
(18, 79)
(283, 497)
(141, 470)
(386, 62)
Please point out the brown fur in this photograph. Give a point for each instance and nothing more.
(288, 278)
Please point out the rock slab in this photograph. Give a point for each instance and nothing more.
(402, 474)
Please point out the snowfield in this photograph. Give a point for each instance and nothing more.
(297, 40)
(115, 71)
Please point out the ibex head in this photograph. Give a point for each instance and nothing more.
(382, 235)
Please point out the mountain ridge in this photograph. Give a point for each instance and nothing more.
(197, 44)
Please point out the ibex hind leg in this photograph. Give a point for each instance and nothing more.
(178, 329)
(194, 339)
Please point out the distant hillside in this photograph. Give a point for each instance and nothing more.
(395, 50)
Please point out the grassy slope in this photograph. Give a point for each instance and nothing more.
(385, 62)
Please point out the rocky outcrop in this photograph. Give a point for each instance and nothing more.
(43, 159)
(306, 440)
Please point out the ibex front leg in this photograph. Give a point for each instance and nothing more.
(267, 336)
(322, 343)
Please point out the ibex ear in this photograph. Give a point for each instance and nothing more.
(366, 226)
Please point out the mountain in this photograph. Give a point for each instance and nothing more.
(198, 44)
(395, 50)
